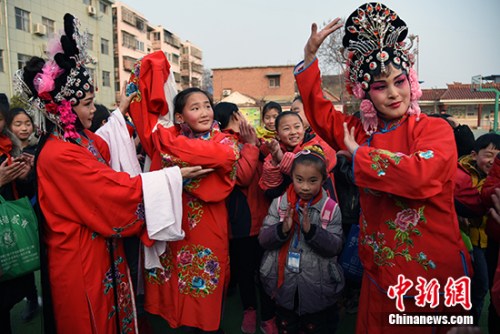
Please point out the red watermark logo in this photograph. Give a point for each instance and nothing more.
(456, 291)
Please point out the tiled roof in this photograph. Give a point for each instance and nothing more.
(460, 91)
(433, 94)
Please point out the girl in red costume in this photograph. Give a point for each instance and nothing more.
(403, 163)
(188, 285)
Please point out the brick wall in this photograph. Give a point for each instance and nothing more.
(255, 82)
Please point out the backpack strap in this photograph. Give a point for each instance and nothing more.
(281, 212)
(326, 213)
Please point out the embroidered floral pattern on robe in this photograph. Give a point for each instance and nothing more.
(405, 227)
(194, 211)
(133, 85)
(381, 163)
(380, 159)
(199, 270)
(164, 274)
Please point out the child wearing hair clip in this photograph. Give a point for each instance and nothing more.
(291, 137)
(302, 235)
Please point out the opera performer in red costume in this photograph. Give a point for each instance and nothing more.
(86, 205)
(187, 286)
(403, 164)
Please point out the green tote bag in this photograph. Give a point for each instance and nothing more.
(19, 244)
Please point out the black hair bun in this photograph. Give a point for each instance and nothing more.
(31, 69)
(372, 9)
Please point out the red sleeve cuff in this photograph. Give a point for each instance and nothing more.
(286, 163)
(271, 176)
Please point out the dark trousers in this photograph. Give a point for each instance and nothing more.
(246, 254)
(323, 322)
(479, 282)
(12, 292)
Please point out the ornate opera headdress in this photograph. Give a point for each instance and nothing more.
(51, 88)
(374, 38)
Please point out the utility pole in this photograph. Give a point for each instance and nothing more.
(477, 86)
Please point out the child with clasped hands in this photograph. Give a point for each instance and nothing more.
(302, 235)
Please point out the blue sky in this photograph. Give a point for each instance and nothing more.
(458, 38)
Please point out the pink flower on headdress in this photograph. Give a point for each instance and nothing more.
(415, 93)
(368, 116)
(67, 118)
(44, 82)
(358, 91)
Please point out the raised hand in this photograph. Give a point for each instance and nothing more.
(125, 100)
(288, 222)
(274, 148)
(349, 139)
(317, 37)
(248, 134)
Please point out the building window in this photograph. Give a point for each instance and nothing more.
(175, 58)
(177, 77)
(106, 82)
(128, 63)
(49, 24)
(139, 24)
(1, 61)
(274, 81)
(104, 46)
(87, 2)
(90, 41)
(22, 20)
(22, 60)
(156, 36)
(103, 8)
(139, 45)
(128, 16)
(128, 41)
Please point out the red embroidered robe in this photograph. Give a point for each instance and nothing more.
(408, 225)
(85, 204)
(189, 289)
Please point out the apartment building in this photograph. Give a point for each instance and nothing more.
(191, 66)
(131, 32)
(171, 45)
(26, 26)
(118, 36)
(135, 37)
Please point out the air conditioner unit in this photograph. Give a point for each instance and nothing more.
(226, 92)
(91, 10)
(39, 29)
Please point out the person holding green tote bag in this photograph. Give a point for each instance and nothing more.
(19, 255)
